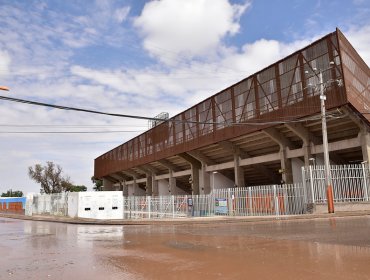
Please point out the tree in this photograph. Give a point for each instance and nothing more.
(98, 184)
(11, 193)
(73, 188)
(50, 177)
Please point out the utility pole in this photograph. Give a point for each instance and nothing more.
(328, 183)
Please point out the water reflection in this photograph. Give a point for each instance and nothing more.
(310, 249)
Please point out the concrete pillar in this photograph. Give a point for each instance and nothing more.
(307, 153)
(135, 187)
(124, 188)
(365, 145)
(238, 172)
(149, 185)
(107, 185)
(286, 167)
(204, 180)
(155, 191)
(195, 179)
(171, 184)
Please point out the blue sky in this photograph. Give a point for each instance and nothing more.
(137, 57)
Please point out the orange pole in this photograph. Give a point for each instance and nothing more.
(330, 197)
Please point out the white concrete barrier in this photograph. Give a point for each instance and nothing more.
(96, 205)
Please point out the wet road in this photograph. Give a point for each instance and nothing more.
(336, 248)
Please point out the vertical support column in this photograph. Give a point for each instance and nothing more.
(107, 185)
(155, 191)
(365, 144)
(124, 188)
(171, 183)
(307, 152)
(205, 180)
(286, 166)
(149, 184)
(195, 179)
(238, 172)
(135, 187)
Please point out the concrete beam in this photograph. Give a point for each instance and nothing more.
(277, 137)
(168, 164)
(195, 168)
(339, 145)
(285, 162)
(141, 180)
(190, 160)
(150, 168)
(174, 174)
(131, 173)
(117, 177)
(144, 170)
(201, 157)
(303, 133)
(221, 166)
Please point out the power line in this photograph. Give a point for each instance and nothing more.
(173, 120)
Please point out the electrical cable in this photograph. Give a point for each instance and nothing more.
(173, 120)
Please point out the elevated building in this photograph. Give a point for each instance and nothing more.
(261, 130)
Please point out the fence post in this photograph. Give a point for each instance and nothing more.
(250, 200)
(149, 203)
(366, 195)
(311, 183)
(173, 206)
(276, 201)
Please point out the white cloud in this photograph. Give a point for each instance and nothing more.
(187, 28)
(360, 39)
(121, 14)
(5, 61)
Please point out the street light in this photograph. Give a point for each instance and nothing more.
(328, 183)
(4, 88)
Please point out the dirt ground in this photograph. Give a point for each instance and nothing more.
(329, 248)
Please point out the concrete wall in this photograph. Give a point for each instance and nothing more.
(163, 187)
(139, 191)
(219, 181)
(297, 165)
(96, 205)
(342, 207)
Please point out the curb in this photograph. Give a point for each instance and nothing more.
(183, 221)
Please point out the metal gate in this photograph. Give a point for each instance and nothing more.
(350, 182)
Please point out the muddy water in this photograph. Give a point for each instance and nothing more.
(313, 249)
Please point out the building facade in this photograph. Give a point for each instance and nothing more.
(259, 131)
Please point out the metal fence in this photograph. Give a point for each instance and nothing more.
(289, 199)
(161, 207)
(350, 182)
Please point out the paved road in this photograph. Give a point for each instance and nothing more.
(330, 248)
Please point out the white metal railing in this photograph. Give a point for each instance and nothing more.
(161, 207)
(289, 199)
(350, 182)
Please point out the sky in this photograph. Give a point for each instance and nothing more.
(136, 57)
